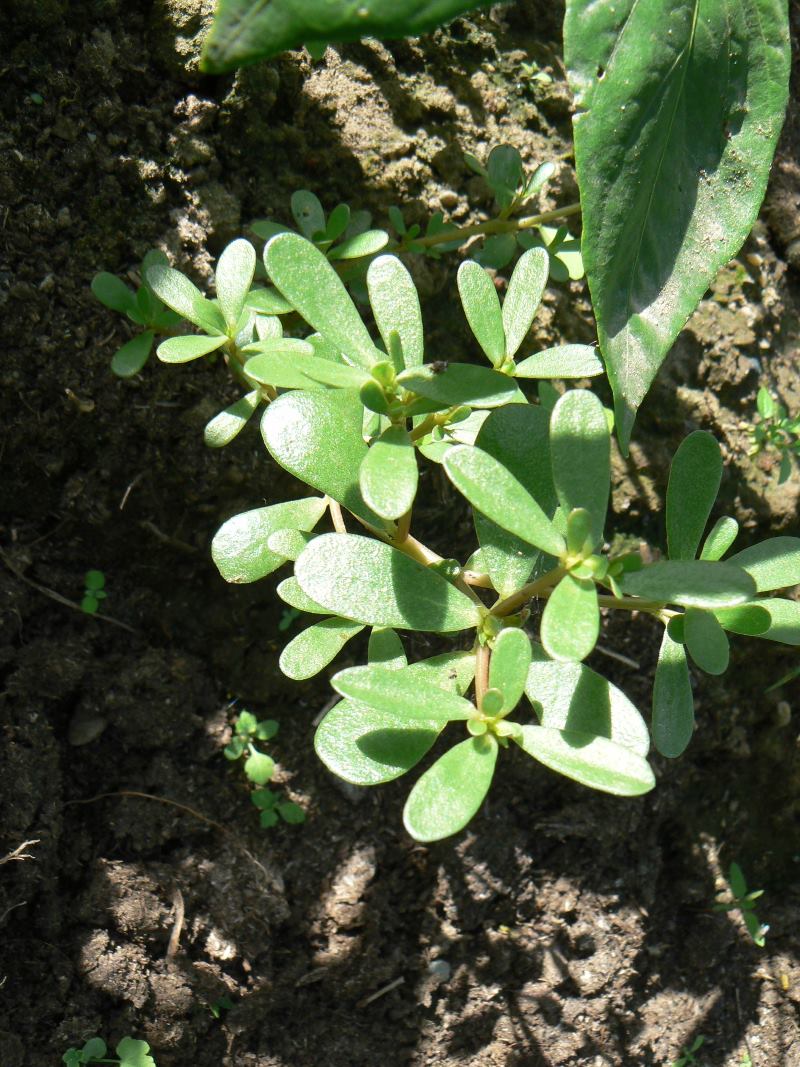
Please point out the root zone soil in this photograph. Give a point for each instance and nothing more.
(564, 927)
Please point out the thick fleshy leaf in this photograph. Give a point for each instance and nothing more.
(497, 494)
(723, 534)
(678, 108)
(388, 473)
(524, 294)
(316, 436)
(222, 429)
(113, 292)
(563, 361)
(315, 647)
(453, 671)
(401, 693)
(751, 619)
(288, 543)
(673, 703)
(360, 244)
(185, 349)
(308, 213)
(395, 305)
(571, 619)
(706, 641)
(518, 436)
(290, 593)
(508, 667)
(691, 583)
(592, 761)
(267, 301)
(784, 620)
(482, 307)
(461, 383)
(580, 452)
(305, 277)
(234, 276)
(239, 548)
(177, 292)
(286, 366)
(570, 696)
(772, 564)
(694, 478)
(268, 327)
(133, 355)
(386, 649)
(450, 792)
(373, 583)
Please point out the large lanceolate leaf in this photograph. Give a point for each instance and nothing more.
(239, 548)
(694, 479)
(372, 583)
(679, 104)
(247, 30)
(450, 792)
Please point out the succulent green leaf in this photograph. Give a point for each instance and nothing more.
(691, 583)
(395, 305)
(222, 429)
(461, 383)
(385, 649)
(523, 297)
(450, 792)
(571, 619)
(772, 564)
(388, 473)
(723, 534)
(593, 761)
(234, 276)
(706, 641)
(580, 452)
(570, 696)
(267, 301)
(563, 361)
(314, 648)
(482, 307)
(286, 366)
(508, 667)
(316, 436)
(673, 703)
(133, 355)
(259, 767)
(239, 548)
(751, 619)
(694, 478)
(679, 104)
(505, 174)
(401, 693)
(185, 349)
(359, 245)
(496, 493)
(288, 543)
(133, 1053)
(308, 213)
(290, 593)
(113, 292)
(373, 583)
(305, 277)
(177, 292)
(784, 621)
(497, 251)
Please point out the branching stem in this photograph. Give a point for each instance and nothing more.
(493, 226)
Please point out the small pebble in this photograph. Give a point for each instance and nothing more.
(440, 969)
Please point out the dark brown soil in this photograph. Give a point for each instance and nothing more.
(564, 927)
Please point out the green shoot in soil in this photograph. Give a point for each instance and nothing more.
(259, 768)
(775, 431)
(130, 1053)
(744, 901)
(94, 592)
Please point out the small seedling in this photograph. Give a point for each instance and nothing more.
(687, 1057)
(775, 431)
(258, 766)
(744, 900)
(217, 1007)
(95, 591)
(271, 808)
(130, 1053)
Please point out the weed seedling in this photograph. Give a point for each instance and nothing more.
(687, 1057)
(744, 900)
(130, 1053)
(775, 431)
(95, 591)
(258, 766)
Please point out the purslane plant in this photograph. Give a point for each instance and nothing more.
(775, 430)
(352, 417)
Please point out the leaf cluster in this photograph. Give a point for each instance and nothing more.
(129, 1053)
(259, 768)
(777, 431)
(94, 591)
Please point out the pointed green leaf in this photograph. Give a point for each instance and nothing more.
(388, 474)
(185, 349)
(450, 792)
(234, 276)
(239, 548)
(497, 494)
(678, 108)
(482, 307)
(508, 667)
(461, 383)
(723, 534)
(373, 583)
(751, 619)
(395, 305)
(694, 478)
(563, 361)
(305, 277)
(267, 301)
(571, 619)
(401, 693)
(359, 245)
(290, 593)
(592, 761)
(706, 641)
(133, 355)
(113, 292)
(691, 583)
(177, 292)
(314, 648)
(570, 696)
(673, 703)
(772, 564)
(581, 456)
(222, 429)
(386, 649)
(784, 620)
(523, 297)
(316, 436)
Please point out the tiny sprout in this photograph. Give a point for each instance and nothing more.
(744, 900)
(129, 1053)
(94, 592)
(259, 768)
(775, 431)
(687, 1057)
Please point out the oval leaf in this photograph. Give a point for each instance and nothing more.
(694, 478)
(450, 792)
(133, 355)
(395, 305)
(291, 593)
(706, 641)
(673, 703)
(691, 583)
(772, 564)
(185, 349)
(784, 620)
(571, 619)
(461, 383)
(401, 693)
(177, 292)
(563, 361)
(239, 548)
(388, 474)
(222, 429)
(314, 648)
(523, 297)
(360, 244)
(508, 667)
(580, 451)
(386, 649)
(723, 534)
(592, 761)
(482, 307)
(234, 276)
(751, 619)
